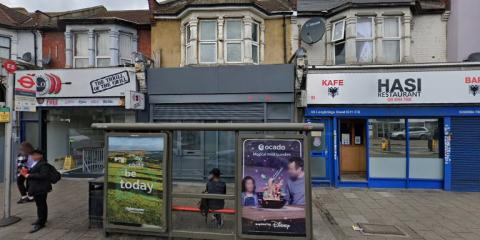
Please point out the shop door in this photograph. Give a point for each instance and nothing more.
(320, 146)
(353, 164)
(465, 154)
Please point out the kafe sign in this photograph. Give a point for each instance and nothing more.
(68, 83)
(394, 88)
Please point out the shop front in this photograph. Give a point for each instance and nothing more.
(221, 94)
(69, 101)
(396, 128)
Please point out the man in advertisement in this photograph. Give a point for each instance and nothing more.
(295, 187)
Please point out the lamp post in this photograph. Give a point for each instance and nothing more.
(10, 66)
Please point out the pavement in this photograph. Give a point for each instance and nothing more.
(417, 214)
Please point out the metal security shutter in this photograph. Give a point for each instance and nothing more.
(177, 112)
(465, 152)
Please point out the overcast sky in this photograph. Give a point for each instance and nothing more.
(64, 5)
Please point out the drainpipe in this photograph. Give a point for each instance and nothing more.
(285, 60)
(35, 47)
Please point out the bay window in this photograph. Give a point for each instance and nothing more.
(233, 41)
(125, 45)
(338, 38)
(255, 42)
(80, 51)
(208, 41)
(102, 50)
(188, 45)
(364, 40)
(5, 47)
(391, 39)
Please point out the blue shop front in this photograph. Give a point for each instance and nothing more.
(396, 128)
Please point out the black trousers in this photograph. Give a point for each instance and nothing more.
(42, 208)
(22, 184)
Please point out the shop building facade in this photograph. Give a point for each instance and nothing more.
(410, 126)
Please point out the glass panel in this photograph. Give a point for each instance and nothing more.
(208, 30)
(81, 62)
(426, 162)
(318, 167)
(31, 133)
(226, 153)
(255, 32)
(365, 51)
(387, 148)
(338, 30)
(103, 62)
(234, 52)
(391, 50)
(208, 52)
(102, 44)
(125, 45)
(255, 53)
(234, 29)
(188, 35)
(4, 53)
(189, 55)
(364, 27)
(5, 42)
(391, 27)
(340, 53)
(278, 111)
(81, 44)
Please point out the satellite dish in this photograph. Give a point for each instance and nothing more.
(27, 57)
(313, 30)
(474, 57)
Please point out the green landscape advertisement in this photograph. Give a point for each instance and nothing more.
(135, 181)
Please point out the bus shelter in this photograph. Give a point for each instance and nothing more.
(269, 196)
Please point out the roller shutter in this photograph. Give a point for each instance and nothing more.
(178, 112)
(465, 152)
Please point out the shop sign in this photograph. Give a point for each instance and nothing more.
(25, 94)
(135, 100)
(135, 182)
(10, 66)
(4, 114)
(80, 102)
(91, 82)
(394, 88)
(273, 188)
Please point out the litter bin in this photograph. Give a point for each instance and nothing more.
(95, 203)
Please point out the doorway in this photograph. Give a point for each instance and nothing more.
(353, 159)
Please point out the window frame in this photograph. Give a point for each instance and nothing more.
(188, 44)
(9, 46)
(207, 42)
(256, 43)
(334, 27)
(396, 39)
(129, 60)
(369, 39)
(75, 57)
(97, 57)
(233, 41)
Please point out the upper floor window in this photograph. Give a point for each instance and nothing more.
(338, 38)
(80, 50)
(233, 41)
(125, 46)
(5, 47)
(255, 42)
(391, 39)
(364, 40)
(102, 50)
(208, 41)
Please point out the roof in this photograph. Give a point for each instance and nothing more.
(338, 5)
(14, 18)
(175, 7)
(131, 17)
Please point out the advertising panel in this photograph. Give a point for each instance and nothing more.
(135, 181)
(273, 188)
(394, 87)
(91, 82)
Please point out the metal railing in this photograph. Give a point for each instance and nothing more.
(93, 161)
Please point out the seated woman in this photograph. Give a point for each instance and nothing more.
(249, 196)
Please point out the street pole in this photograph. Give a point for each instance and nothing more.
(8, 219)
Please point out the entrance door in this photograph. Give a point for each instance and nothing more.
(353, 164)
(320, 143)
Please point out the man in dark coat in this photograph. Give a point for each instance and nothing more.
(216, 186)
(39, 186)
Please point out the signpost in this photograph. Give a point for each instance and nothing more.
(8, 219)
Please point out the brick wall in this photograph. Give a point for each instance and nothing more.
(144, 42)
(54, 47)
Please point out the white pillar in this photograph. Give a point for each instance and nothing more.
(68, 50)
(379, 39)
(329, 45)
(247, 39)
(221, 43)
(193, 40)
(262, 43)
(183, 48)
(91, 48)
(114, 51)
(350, 40)
(407, 38)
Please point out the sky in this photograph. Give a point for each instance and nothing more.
(65, 5)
